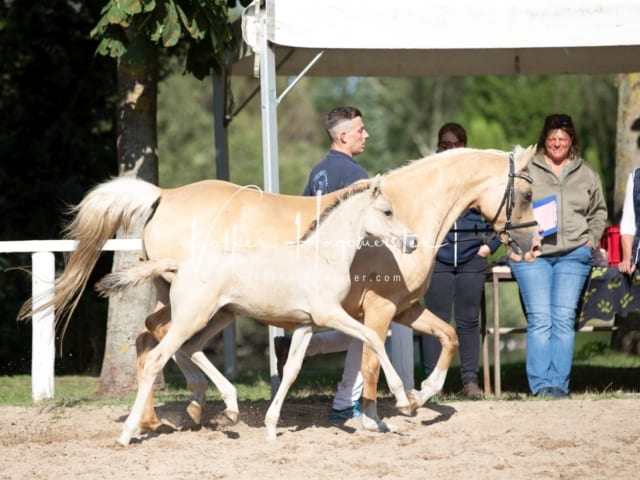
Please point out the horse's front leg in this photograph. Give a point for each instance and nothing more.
(338, 319)
(377, 316)
(423, 321)
(299, 343)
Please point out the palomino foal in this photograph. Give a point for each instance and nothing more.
(301, 286)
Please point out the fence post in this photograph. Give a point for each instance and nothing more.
(43, 327)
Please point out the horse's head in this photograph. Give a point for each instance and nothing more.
(381, 222)
(514, 220)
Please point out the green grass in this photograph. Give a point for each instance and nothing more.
(597, 371)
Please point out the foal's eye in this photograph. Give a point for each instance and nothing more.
(388, 213)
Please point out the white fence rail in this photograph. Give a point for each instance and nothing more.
(43, 323)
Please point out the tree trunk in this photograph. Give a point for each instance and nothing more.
(137, 156)
(627, 138)
(627, 159)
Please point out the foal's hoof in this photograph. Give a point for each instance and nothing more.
(406, 410)
(227, 418)
(414, 401)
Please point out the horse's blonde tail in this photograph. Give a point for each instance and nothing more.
(96, 219)
(133, 276)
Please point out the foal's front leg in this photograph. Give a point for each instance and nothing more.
(299, 343)
(338, 319)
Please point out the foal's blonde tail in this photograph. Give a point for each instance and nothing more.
(132, 277)
(108, 206)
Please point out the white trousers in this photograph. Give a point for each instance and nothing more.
(400, 347)
(350, 386)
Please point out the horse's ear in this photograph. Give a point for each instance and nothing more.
(523, 156)
(376, 186)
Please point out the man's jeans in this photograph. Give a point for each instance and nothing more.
(550, 288)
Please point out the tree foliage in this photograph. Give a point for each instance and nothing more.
(202, 27)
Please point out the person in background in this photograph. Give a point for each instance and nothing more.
(458, 280)
(346, 130)
(629, 226)
(550, 287)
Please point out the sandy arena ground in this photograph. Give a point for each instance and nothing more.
(581, 438)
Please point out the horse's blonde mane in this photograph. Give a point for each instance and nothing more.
(516, 151)
(360, 186)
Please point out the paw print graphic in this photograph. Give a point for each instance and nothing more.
(615, 283)
(625, 300)
(605, 306)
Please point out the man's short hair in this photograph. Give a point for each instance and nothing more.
(338, 115)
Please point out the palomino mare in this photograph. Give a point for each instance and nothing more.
(427, 194)
(302, 285)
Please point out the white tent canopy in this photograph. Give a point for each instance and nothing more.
(467, 37)
(427, 38)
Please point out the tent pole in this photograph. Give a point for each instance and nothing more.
(269, 105)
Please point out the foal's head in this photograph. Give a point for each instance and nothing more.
(368, 212)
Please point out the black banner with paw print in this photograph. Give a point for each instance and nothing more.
(607, 295)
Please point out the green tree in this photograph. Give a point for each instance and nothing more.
(513, 109)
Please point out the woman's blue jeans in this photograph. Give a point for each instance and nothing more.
(550, 288)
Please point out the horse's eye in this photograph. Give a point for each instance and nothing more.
(528, 197)
(388, 213)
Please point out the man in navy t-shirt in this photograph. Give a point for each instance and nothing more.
(345, 128)
(338, 169)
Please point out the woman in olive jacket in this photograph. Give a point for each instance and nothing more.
(550, 287)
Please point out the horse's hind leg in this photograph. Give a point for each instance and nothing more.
(299, 343)
(424, 321)
(144, 343)
(192, 351)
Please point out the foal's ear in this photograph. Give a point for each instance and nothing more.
(376, 186)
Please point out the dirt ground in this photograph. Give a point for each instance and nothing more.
(582, 438)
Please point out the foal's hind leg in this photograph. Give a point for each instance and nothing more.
(157, 325)
(155, 362)
(187, 322)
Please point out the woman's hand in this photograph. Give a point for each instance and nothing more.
(484, 251)
(626, 266)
